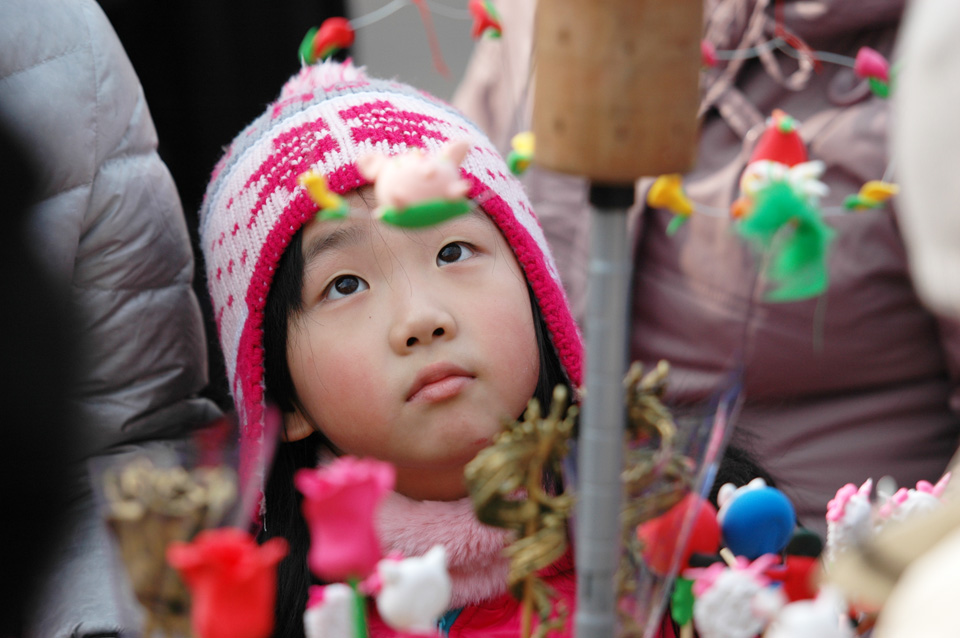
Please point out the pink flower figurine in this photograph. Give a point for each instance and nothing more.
(708, 54)
(871, 64)
(232, 581)
(340, 501)
(416, 188)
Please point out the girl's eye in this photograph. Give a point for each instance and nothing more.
(453, 252)
(345, 286)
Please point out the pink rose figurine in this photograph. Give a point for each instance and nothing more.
(870, 63)
(232, 580)
(340, 501)
(417, 189)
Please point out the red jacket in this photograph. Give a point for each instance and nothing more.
(500, 617)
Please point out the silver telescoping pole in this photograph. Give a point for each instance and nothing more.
(603, 418)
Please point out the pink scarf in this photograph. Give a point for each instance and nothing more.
(474, 550)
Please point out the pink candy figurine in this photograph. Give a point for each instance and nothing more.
(734, 602)
(708, 54)
(849, 518)
(416, 189)
(340, 501)
(906, 503)
(871, 64)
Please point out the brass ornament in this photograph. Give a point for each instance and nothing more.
(147, 508)
(505, 481)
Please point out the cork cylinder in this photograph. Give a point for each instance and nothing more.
(616, 90)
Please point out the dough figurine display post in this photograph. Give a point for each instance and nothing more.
(516, 461)
(596, 114)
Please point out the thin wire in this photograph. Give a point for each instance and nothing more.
(378, 14)
(782, 45)
(752, 52)
(717, 212)
(449, 12)
(823, 56)
(395, 5)
(888, 174)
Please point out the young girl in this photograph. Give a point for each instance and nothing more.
(410, 346)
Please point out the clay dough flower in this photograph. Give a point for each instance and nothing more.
(339, 504)
(232, 581)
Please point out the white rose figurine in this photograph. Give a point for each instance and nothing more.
(329, 612)
(414, 592)
(822, 617)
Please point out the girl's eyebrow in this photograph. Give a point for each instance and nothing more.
(344, 236)
(347, 235)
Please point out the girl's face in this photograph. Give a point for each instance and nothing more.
(412, 347)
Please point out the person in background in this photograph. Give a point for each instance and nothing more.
(927, 143)
(203, 81)
(39, 363)
(860, 382)
(927, 148)
(106, 226)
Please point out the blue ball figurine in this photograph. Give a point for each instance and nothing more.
(755, 519)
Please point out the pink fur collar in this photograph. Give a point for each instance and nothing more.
(474, 550)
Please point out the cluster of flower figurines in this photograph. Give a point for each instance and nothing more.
(764, 579)
(232, 578)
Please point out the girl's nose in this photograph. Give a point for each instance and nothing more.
(419, 323)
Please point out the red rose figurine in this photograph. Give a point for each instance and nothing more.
(232, 581)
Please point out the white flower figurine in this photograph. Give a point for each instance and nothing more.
(823, 617)
(414, 592)
(329, 612)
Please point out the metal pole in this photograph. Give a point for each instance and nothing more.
(603, 419)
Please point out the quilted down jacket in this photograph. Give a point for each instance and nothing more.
(109, 226)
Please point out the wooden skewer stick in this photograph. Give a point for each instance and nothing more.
(617, 87)
(616, 97)
(728, 557)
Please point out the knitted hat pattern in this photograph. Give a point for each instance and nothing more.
(326, 118)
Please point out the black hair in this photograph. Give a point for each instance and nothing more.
(283, 515)
(284, 300)
(738, 466)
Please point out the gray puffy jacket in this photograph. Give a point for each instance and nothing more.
(110, 227)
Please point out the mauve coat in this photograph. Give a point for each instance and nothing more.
(862, 382)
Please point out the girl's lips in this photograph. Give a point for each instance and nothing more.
(438, 382)
(441, 390)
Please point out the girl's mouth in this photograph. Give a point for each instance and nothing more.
(438, 382)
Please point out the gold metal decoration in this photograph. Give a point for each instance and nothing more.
(147, 509)
(505, 482)
(655, 476)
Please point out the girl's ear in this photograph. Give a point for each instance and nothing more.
(295, 426)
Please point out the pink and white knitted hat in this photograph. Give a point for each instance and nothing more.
(327, 117)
